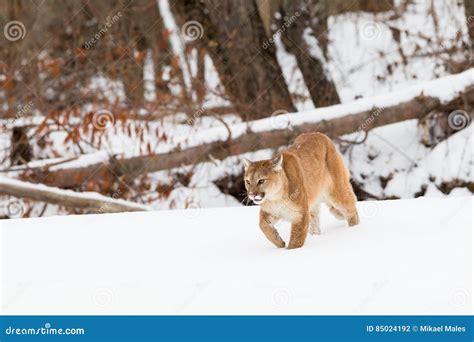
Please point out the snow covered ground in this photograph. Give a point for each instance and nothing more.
(406, 257)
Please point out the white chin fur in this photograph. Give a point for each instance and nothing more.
(257, 201)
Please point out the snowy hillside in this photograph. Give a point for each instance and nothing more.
(406, 257)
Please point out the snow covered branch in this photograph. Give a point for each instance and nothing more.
(451, 93)
(67, 198)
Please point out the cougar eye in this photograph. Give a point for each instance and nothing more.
(261, 181)
(247, 182)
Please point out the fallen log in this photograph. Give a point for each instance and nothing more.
(363, 121)
(93, 202)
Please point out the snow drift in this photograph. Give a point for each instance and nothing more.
(406, 257)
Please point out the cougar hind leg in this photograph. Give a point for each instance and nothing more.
(343, 205)
(341, 196)
(314, 224)
(336, 213)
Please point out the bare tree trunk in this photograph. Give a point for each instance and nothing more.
(132, 44)
(343, 6)
(366, 120)
(200, 80)
(469, 7)
(322, 90)
(266, 9)
(234, 35)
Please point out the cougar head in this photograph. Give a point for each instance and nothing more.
(264, 179)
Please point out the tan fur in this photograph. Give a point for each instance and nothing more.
(295, 182)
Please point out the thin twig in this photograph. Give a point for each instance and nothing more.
(27, 168)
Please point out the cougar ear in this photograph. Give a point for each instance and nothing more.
(246, 163)
(277, 162)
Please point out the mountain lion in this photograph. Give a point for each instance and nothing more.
(292, 185)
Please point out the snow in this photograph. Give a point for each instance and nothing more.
(82, 161)
(366, 59)
(406, 257)
(149, 78)
(112, 90)
(395, 153)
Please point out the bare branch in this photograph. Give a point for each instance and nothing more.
(68, 198)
